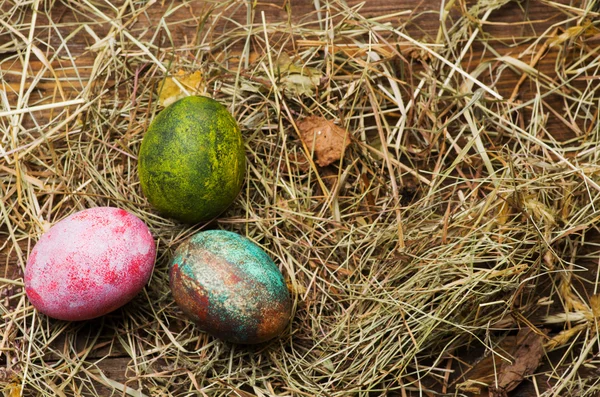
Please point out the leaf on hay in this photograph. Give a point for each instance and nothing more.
(595, 305)
(297, 79)
(526, 357)
(586, 29)
(516, 357)
(13, 390)
(297, 84)
(171, 92)
(322, 137)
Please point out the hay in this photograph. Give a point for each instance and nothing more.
(457, 214)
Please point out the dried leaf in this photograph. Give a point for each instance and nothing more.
(297, 84)
(595, 305)
(481, 375)
(525, 350)
(518, 64)
(527, 355)
(321, 136)
(12, 390)
(419, 54)
(297, 79)
(586, 29)
(171, 92)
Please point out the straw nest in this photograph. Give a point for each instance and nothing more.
(456, 216)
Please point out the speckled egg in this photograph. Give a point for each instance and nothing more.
(192, 160)
(89, 264)
(230, 287)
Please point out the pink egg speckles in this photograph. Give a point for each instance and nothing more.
(89, 264)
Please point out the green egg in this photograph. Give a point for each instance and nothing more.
(192, 161)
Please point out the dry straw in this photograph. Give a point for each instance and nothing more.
(455, 216)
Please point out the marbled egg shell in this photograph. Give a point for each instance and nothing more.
(89, 264)
(230, 287)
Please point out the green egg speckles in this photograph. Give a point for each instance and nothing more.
(230, 287)
(192, 161)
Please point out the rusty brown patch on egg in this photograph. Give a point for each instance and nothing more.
(239, 296)
(273, 322)
(188, 295)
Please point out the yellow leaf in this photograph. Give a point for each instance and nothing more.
(171, 92)
(585, 29)
(595, 305)
(12, 390)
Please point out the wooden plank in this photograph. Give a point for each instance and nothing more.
(424, 27)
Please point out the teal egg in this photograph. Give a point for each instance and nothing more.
(230, 287)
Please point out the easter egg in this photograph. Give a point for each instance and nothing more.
(89, 264)
(230, 287)
(192, 162)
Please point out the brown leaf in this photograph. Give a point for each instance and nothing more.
(321, 136)
(481, 374)
(525, 351)
(528, 352)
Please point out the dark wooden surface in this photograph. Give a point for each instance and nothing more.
(507, 27)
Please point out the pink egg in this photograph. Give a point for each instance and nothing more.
(89, 264)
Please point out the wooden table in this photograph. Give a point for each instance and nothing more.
(506, 28)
